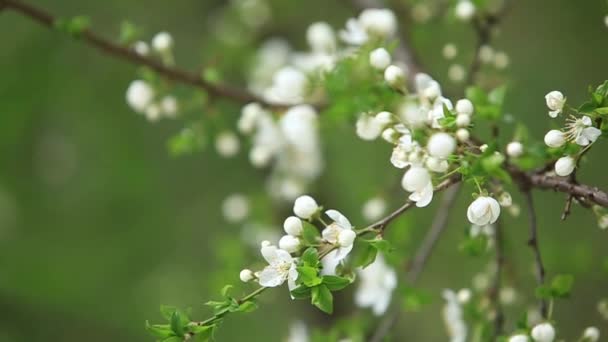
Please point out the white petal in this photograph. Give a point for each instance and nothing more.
(339, 218)
(269, 252)
(271, 277)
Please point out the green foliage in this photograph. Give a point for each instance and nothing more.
(129, 32)
(488, 106)
(189, 140)
(367, 250)
(74, 26)
(560, 287)
(475, 246)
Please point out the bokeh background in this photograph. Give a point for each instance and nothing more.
(99, 225)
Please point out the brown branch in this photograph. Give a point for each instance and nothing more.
(125, 53)
(533, 243)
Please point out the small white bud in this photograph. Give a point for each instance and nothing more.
(346, 237)
(368, 128)
(465, 10)
(374, 208)
(483, 148)
(289, 243)
(141, 48)
(260, 156)
(227, 144)
(152, 113)
(246, 276)
(385, 118)
(486, 54)
(162, 42)
(305, 207)
(441, 145)
(515, 149)
(415, 178)
(436, 164)
(463, 134)
(463, 120)
(321, 37)
(507, 295)
(390, 135)
(519, 338)
(484, 210)
(169, 106)
(543, 332)
(555, 102)
(505, 199)
(603, 221)
(501, 60)
(249, 115)
(379, 59)
(564, 166)
(293, 226)
(394, 76)
(378, 22)
(456, 73)
(139, 95)
(514, 210)
(464, 296)
(449, 51)
(591, 334)
(555, 138)
(235, 208)
(464, 106)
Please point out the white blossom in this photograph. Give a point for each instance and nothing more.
(463, 134)
(464, 295)
(555, 138)
(168, 106)
(235, 208)
(400, 157)
(390, 135)
(260, 156)
(426, 87)
(293, 226)
(515, 149)
(519, 338)
(581, 131)
(354, 33)
(246, 276)
(281, 267)
(457, 73)
(437, 164)
(288, 86)
(378, 22)
(463, 120)
(368, 128)
(227, 144)
(449, 51)
(555, 101)
(483, 148)
(139, 95)
(412, 114)
(564, 166)
(441, 145)
(501, 60)
(377, 282)
(321, 37)
(464, 106)
(465, 10)
(289, 243)
(298, 332)
(507, 295)
(141, 48)
(374, 208)
(591, 334)
(417, 180)
(379, 59)
(249, 116)
(543, 332)
(305, 207)
(505, 199)
(484, 210)
(339, 233)
(394, 76)
(453, 317)
(162, 42)
(486, 54)
(152, 112)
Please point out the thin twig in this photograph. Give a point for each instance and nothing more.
(534, 245)
(125, 53)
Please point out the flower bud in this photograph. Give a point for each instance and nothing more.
(227, 144)
(260, 156)
(293, 226)
(555, 138)
(321, 37)
(602, 222)
(249, 115)
(463, 134)
(378, 22)
(390, 135)
(385, 118)
(515, 149)
(394, 76)
(543, 332)
(464, 296)
(141, 48)
(416, 178)
(162, 42)
(465, 10)
(505, 199)
(346, 237)
(483, 148)
(555, 101)
(564, 166)
(368, 128)
(441, 145)
(449, 51)
(463, 120)
(519, 338)
(139, 95)
(591, 334)
(484, 210)
(246, 276)
(379, 59)
(305, 207)
(437, 165)
(289, 243)
(464, 106)
(169, 107)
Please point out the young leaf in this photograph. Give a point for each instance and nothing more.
(176, 324)
(322, 298)
(310, 234)
(310, 257)
(159, 330)
(366, 255)
(335, 283)
(561, 285)
(301, 292)
(309, 276)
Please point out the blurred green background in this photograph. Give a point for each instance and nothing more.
(99, 225)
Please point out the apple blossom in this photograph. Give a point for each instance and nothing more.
(168, 106)
(515, 149)
(235, 208)
(374, 208)
(456, 73)
(581, 131)
(543, 332)
(281, 267)
(417, 180)
(385, 118)
(354, 33)
(463, 134)
(368, 128)
(555, 138)
(390, 135)
(379, 59)
(426, 87)
(484, 210)
(437, 164)
(464, 106)
(141, 48)
(465, 10)
(249, 115)
(162, 42)
(293, 226)
(591, 334)
(505, 199)
(376, 284)
(441, 145)
(339, 233)
(152, 112)
(555, 101)
(305, 207)
(453, 317)
(378, 22)
(449, 51)
(321, 37)
(139, 95)
(289, 243)
(394, 76)
(227, 144)
(464, 295)
(288, 86)
(246, 276)
(564, 166)
(463, 120)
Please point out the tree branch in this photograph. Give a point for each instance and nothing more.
(125, 53)
(533, 243)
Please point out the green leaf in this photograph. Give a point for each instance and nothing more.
(309, 276)
(561, 285)
(159, 330)
(366, 255)
(225, 291)
(310, 234)
(176, 324)
(173, 339)
(543, 292)
(381, 245)
(335, 283)
(322, 298)
(301, 292)
(248, 306)
(310, 257)
(167, 311)
(602, 111)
